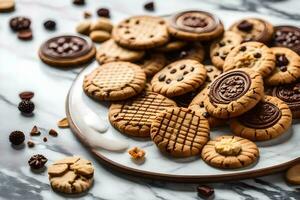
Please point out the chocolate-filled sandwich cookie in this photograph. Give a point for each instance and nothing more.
(195, 25)
(287, 36)
(67, 51)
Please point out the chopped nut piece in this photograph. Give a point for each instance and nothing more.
(137, 153)
(63, 123)
(35, 131)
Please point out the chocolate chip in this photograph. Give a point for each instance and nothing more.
(192, 69)
(53, 133)
(201, 105)
(149, 6)
(35, 131)
(162, 77)
(173, 71)
(245, 26)
(180, 78)
(205, 191)
(30, 144)
(25, 34)
(19, 23)
(281, 60)
(45, 139)
(27, 95)
(223, 57)
(168, 81)
(182, 67)
(283, 68)
(185, 72)
(216, 54)
(222, 43)
(205, 114)
(257, 55)
(243, 48)
(103, 12)
(79, 2)
(50, 25)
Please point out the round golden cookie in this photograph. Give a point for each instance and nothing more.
(152, 63)
(141, 32)
(252, 55)
(287, 68)
(212, 73)
(180, 132)
(194, 51)
(134, 116)
(114, 81)
(110, 51)
(253, 29)
(71, 175)
(269, 119)
(195, 25)
(221, 47)
(292, 175)
(234, 93)
(172, 45)
(230, 152)
(178, 78)
(7, 5)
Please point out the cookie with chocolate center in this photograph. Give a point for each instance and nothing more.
(287, 36)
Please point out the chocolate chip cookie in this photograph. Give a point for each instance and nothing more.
(234, 93)
(178, 78)
(221, 47)
(114, 81)
(134, 116)
(287, 36)
(253, 29)
(194, 51)
(180, 132)
(152, 63)
(230, 152)
(195, 25)
(141, 32)
(172, 45)
(252, 55)
(67, 51)
(269, 119)
(110, 51)
(287, 67)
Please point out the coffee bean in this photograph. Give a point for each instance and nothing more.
(192, 69)
(19, 23)
(149, 6)
(257, 55)
(205, 191)
(245, 26)
(168, 81)
(173, 71)
(243, 48)
(103, 12)
(180, 78)
(162, 77)
(50, 25)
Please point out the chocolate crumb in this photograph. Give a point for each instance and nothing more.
(35, 131)
(149, 6)
(103, 12)
(53, 133)
(79, 2)
(205, 191)
(50, 25)
(45, 139)
(30, 144)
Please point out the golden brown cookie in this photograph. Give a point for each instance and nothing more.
(292, 175)
(195, 25)
(180, 132)
(7, 5)
(71, 175)
(114, 81)
(287, 68)
(234, 93)
(67, 51)
(221, 47)
(270, 118)
(253, 29)
(194, 51)
(178, 78)
(252, 55)
(152, 63)
(110, 51)
(230, 152)
(141, 32)
(134, 116)
(172, 45)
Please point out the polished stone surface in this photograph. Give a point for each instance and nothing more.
(21, 69)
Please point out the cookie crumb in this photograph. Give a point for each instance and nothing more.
(30, 144)
(53, 133)
(205, 191)
(137, 153)
(63, 123)
(35, 131)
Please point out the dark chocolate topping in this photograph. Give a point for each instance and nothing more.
(195, 21)
(290, 94)
(263, 115)
(66, 47)
(287, 36)
(245, 26)
(229, 87)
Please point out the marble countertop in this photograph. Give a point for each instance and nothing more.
(21, 69)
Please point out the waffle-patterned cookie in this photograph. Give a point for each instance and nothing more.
(180, 132)
(114, 81)
(229, 152)
(141, 32)
(152, 63)
(134, 116)
(110, 51)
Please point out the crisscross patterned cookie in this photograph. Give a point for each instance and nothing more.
(180, 132)
(114, 81)
(134, 116)
(141, 32)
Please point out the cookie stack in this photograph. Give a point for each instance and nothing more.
(152, 72)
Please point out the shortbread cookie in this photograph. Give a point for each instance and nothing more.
(172, 45)
(195, 26)
(67, 51)
(110, 51)
(234, 93)
(253, 29)
(287, 36)
(230, 152)
(194, 51)
(134, 116)
(180, 132)
(221, 47)
(152, 63)
(290, 94)
(292, 175)
(141, 32)
(178, 78)
(114, 81)
(7, 5)
(287, 68)
(269, 119)
(252, 55)
(71, 175)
